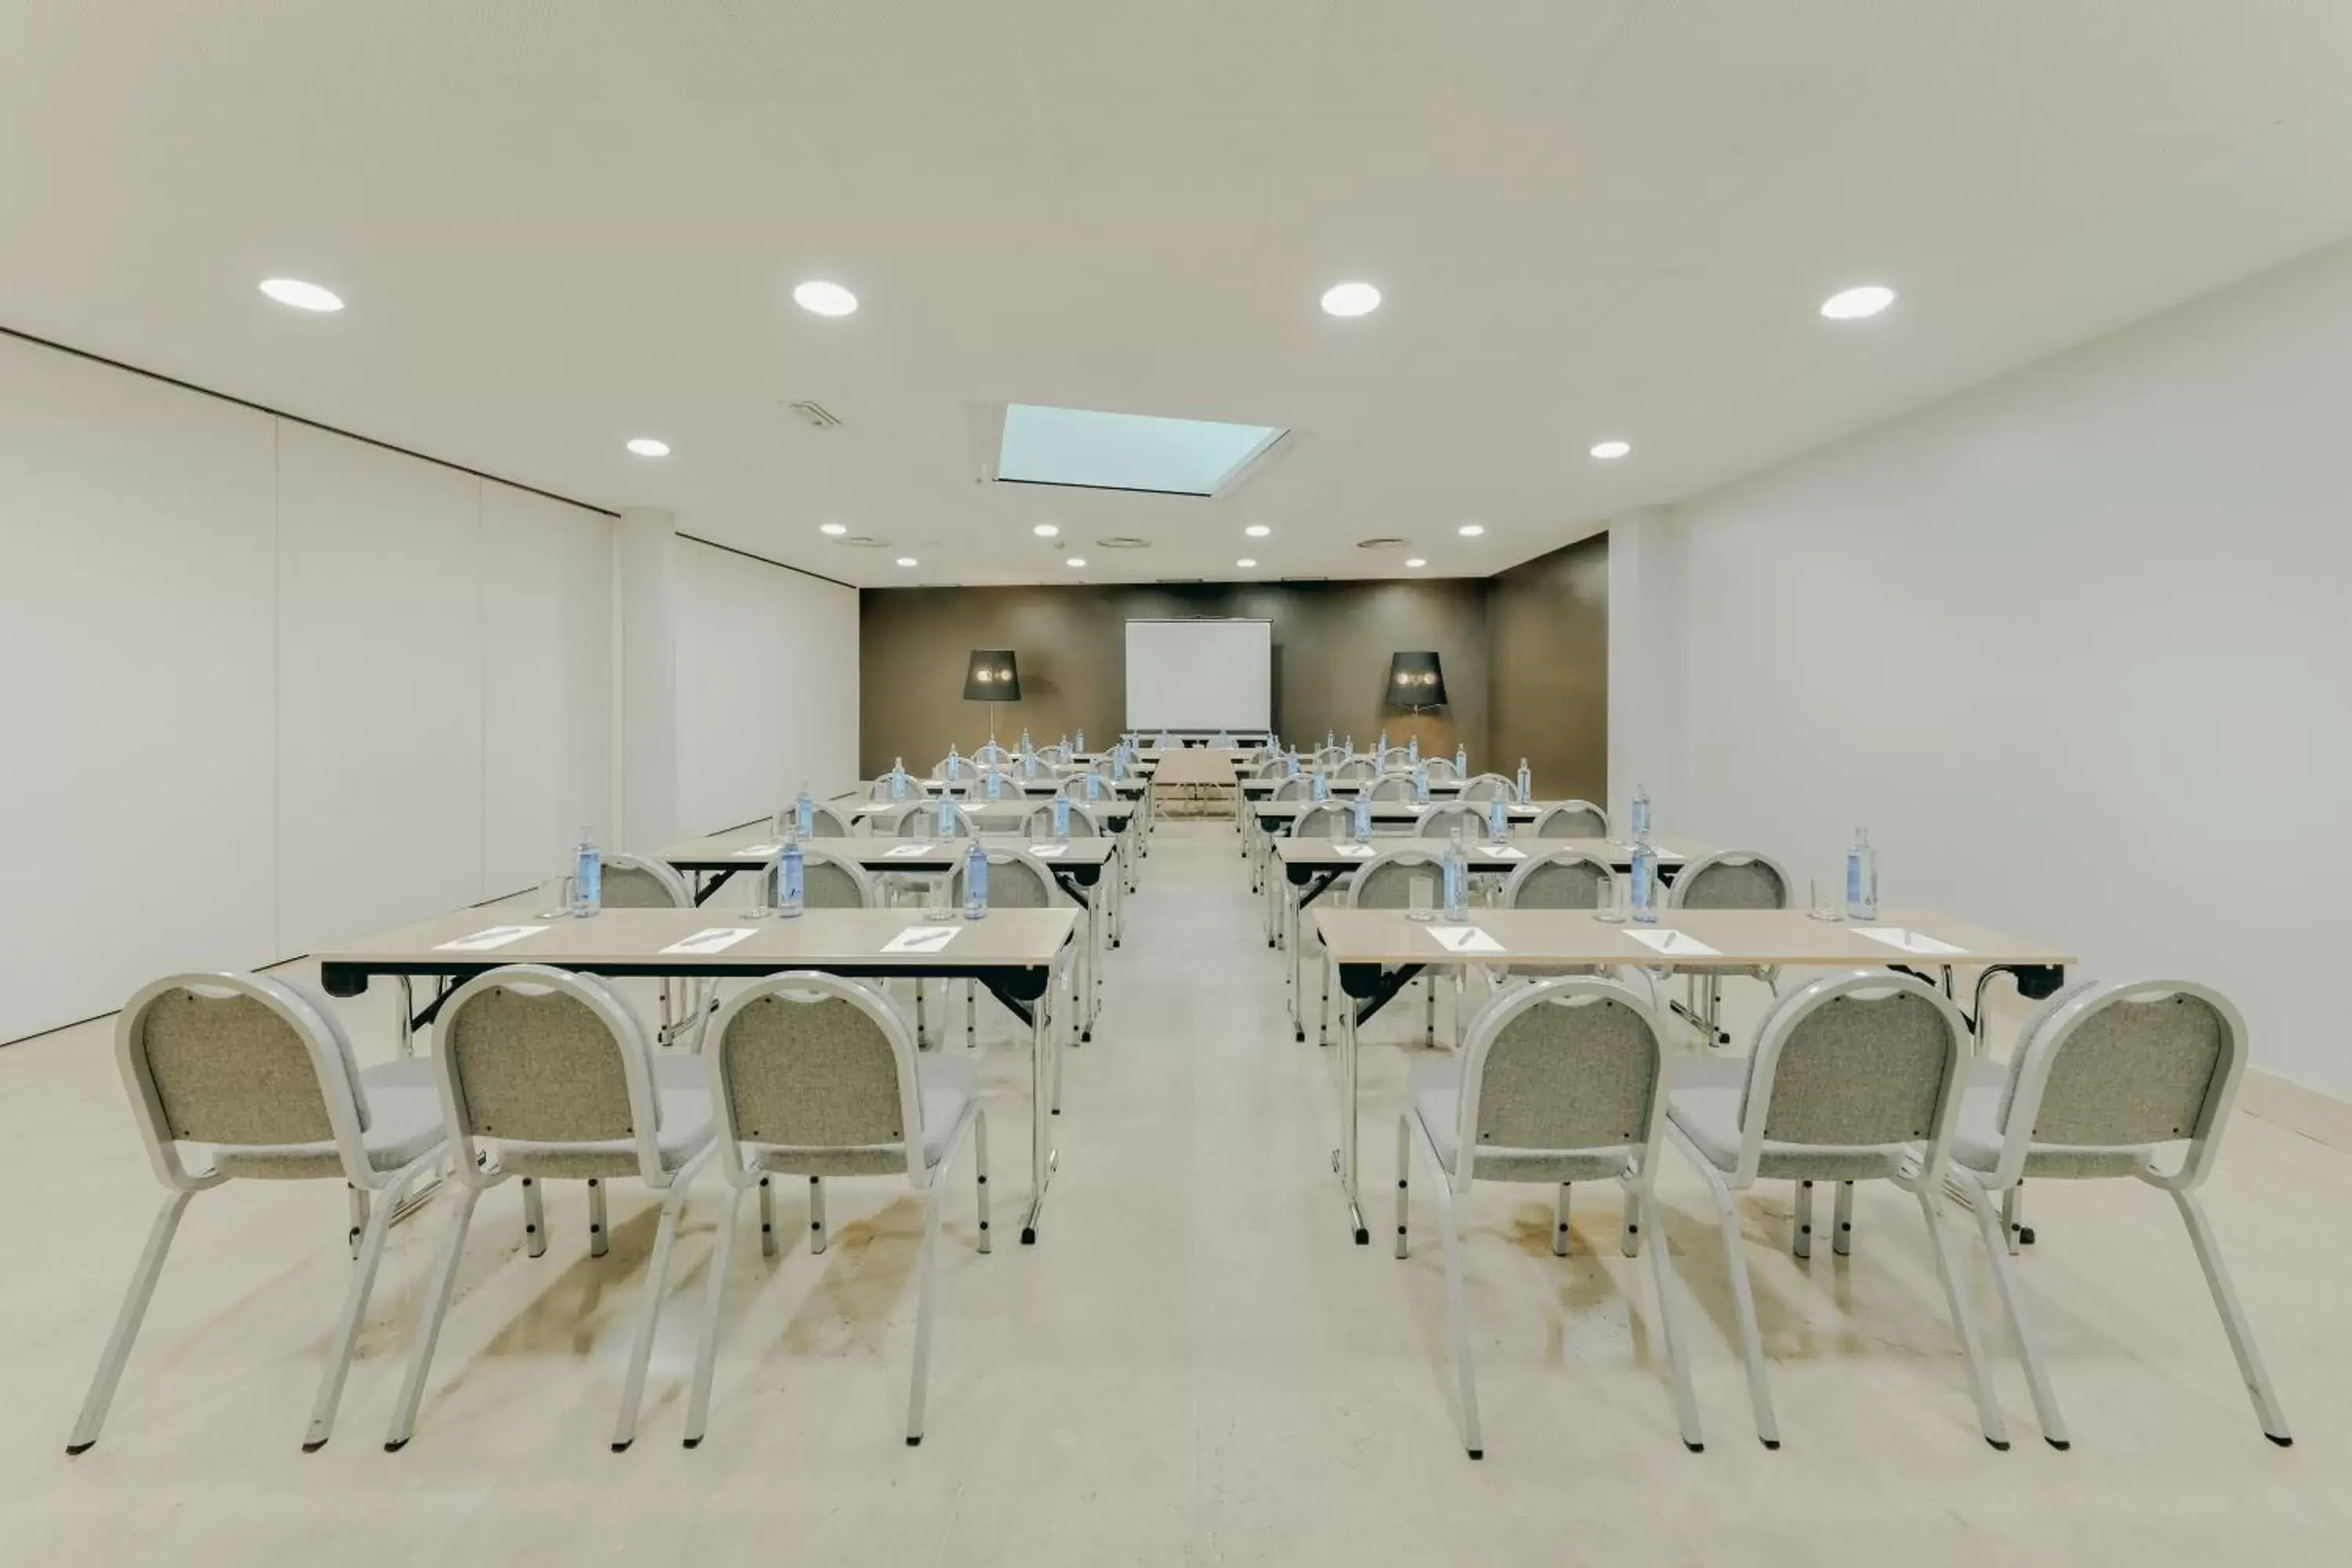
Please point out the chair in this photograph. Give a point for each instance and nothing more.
(879, 790)
(255, 1067)
(1726, 880)
(1039, 823)
(1323, 819)
(1354, 770)
(1329, 757)
(1300, 788)
(1439, 820)
(1015, 881)
(641, 882)
(828, 821)
(1573, 819)
(1390, 786)
(1396, 758)
(830, 880)
(2102, 1076)
(1482, 788)
(990, 754)
(1053, 756)
(1441, 770)
(966, 768)
(547, 1075)
(816, 1076)
(1557, 880)
(1385, 882)
(1856, 1077)
(920, 820)
(1564, 1081)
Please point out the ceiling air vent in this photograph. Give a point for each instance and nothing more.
(1122, 541)
(864, 542)
(1380, 544)
(816, 414)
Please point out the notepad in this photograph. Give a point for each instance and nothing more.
(907, 851)
(1502, 852)
(715, 939)
(920, 939)
(1465, 939)
(1048, 851)
(758, 851)
(1355, 851)
(1673, 944)
(483, 940)
(1910, 941)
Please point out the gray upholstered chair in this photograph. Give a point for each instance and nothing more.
(1053, 756)
(641, 882)
(1385, 882)
(829, 821)
(1571, 819)
(990, 754)
(1439, 819)
(546, 1075)
(1560, 1082)
(879, 790)
(1392, 786)
(1725, 879)
(1330, 756)
(262, 1073)
(1856, 1077)
(1557, 880)
(1355, 770)
(1017, 881)
(816, 1076)
(1323, 819)
(1441, 770)
(2123, 1080)
(1482, 788)
(1396, 758)
(1039, 823)
(829, 881)
(1300, 788)
(955, 768)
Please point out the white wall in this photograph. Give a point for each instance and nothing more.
(2073, 645)
(263, 687)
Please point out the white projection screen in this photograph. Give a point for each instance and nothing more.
(1200, 675)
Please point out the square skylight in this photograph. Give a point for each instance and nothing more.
(1095, 449)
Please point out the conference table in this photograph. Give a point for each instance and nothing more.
(1273, 819)
(1379, 951)
(1015, 952)
(1076, 864)
(1011, 816)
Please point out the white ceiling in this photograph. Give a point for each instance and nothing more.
(560, 224)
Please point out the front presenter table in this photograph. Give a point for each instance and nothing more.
(1013, 952)
(1380, 951)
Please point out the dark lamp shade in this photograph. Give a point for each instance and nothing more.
(991, 677)
(1415, 681)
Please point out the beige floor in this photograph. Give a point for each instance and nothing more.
(1196, 1366)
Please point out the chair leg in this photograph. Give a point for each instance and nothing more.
(816, 1215)
(980, 1173)
(971, 1015)
(2012, 1202)
(534, 1219)
(2013, 1300)
(1841, 1239)
(1403, 1179)
(358, 1201)
(706, 1355)
(1743, 1297)
(1989, 1416)
(1635, 1220)
(1560, 1221)
(632, 1390)
(127, 1321)
(1800, 1231)
(920, 1004)
(1457, 1316)
(1429, 1008)
(600, 1238)
(927, 1294)
(437, 1308)
(767, 1219)
(1670, 1313)
(347, 1327)
(2233, 1317)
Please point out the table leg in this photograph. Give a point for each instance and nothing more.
(1343, 1158)
(1041, 1092)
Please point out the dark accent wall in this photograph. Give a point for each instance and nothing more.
(1524, 653)
(1548, 640)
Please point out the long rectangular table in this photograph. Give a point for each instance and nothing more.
(1379, 951)
(1013, 952)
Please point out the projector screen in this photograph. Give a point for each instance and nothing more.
(1200, 675)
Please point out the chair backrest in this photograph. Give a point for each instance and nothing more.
(829, 881)
(638, 882)
(1293, 789)
(1440, 769)
(1558, 880)
(1392, 786)
(827, 821)
(1053, 756)
(1731, 879)
(1385, 882)
(920, 820)
(1329, 757)
(2124, 1064)
(1015, 881)
(1864, 1059)
(1039, 823)
(240, 1062)
(539, 1054)
(1573, 819)
(1324, 819)
(990, 753)
(1440, 819)
(1570, 1065)
(1355, 769)
(808, 1061)
(1488, 786)
(880, 788)
(1075, 786)
(1393, 758)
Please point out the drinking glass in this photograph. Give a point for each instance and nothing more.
(1825, 901)
(1422, 890)
(942, 902)
(1611, 908)
(554, 898)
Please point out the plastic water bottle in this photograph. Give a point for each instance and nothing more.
(804, 813)
(1067, 756)
(1082, 740)
(789, 880)
(1526, 781)
(1412, 751)
(975, 883)
(1862, 878)
(1025, 743)
(955, 763)
(898, 778)
(1320, 790)
(1061, 817)
(996, 784)
(1457, 880)
(1029, 765)
(1363, 816)
(1421, 783)
(1330, 740)
(1641, 812)
(1460, 762)
(1645, 881)
(1383, 743)
(948, 825)
(1351, 743)
(588, 880)
(1498, 819)
(1093, 788)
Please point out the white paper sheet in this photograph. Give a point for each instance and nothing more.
(907, 851)
(1048, 851)
(1465, 939)
(1673, 943)
(1502, 852)
(1356, 851)
(1910, 941)
(758, 851)
(920, 939)
(713, 939)
(483, 940)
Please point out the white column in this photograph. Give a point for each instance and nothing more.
(647, 724)
(1645, 660)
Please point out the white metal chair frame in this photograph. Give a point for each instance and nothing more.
(375, 1194)
(1485, 787)
(1410, 856)
(1389, 786)
(2039, 1047)
(1636, 1174)
(742, 1176)
(1703, 989)
(1551, 814)
(675, 1030)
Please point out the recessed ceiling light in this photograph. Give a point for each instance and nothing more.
(300, 295)
(825, 299)
(833, 530)
(1045, 530)
(1075, 560)
(1351, 300)
(646, 447)
(1416, 561)
(1245, 564)
(1606, 450)
(906, 561)
(1470, 530)
(1856, 304)
(1257, 531)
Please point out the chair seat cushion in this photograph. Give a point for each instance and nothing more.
(1709, 1118)
(1977, 1144)
(404, 1125)
(1436, 1092)
(947, 1088)
(686, 1132)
